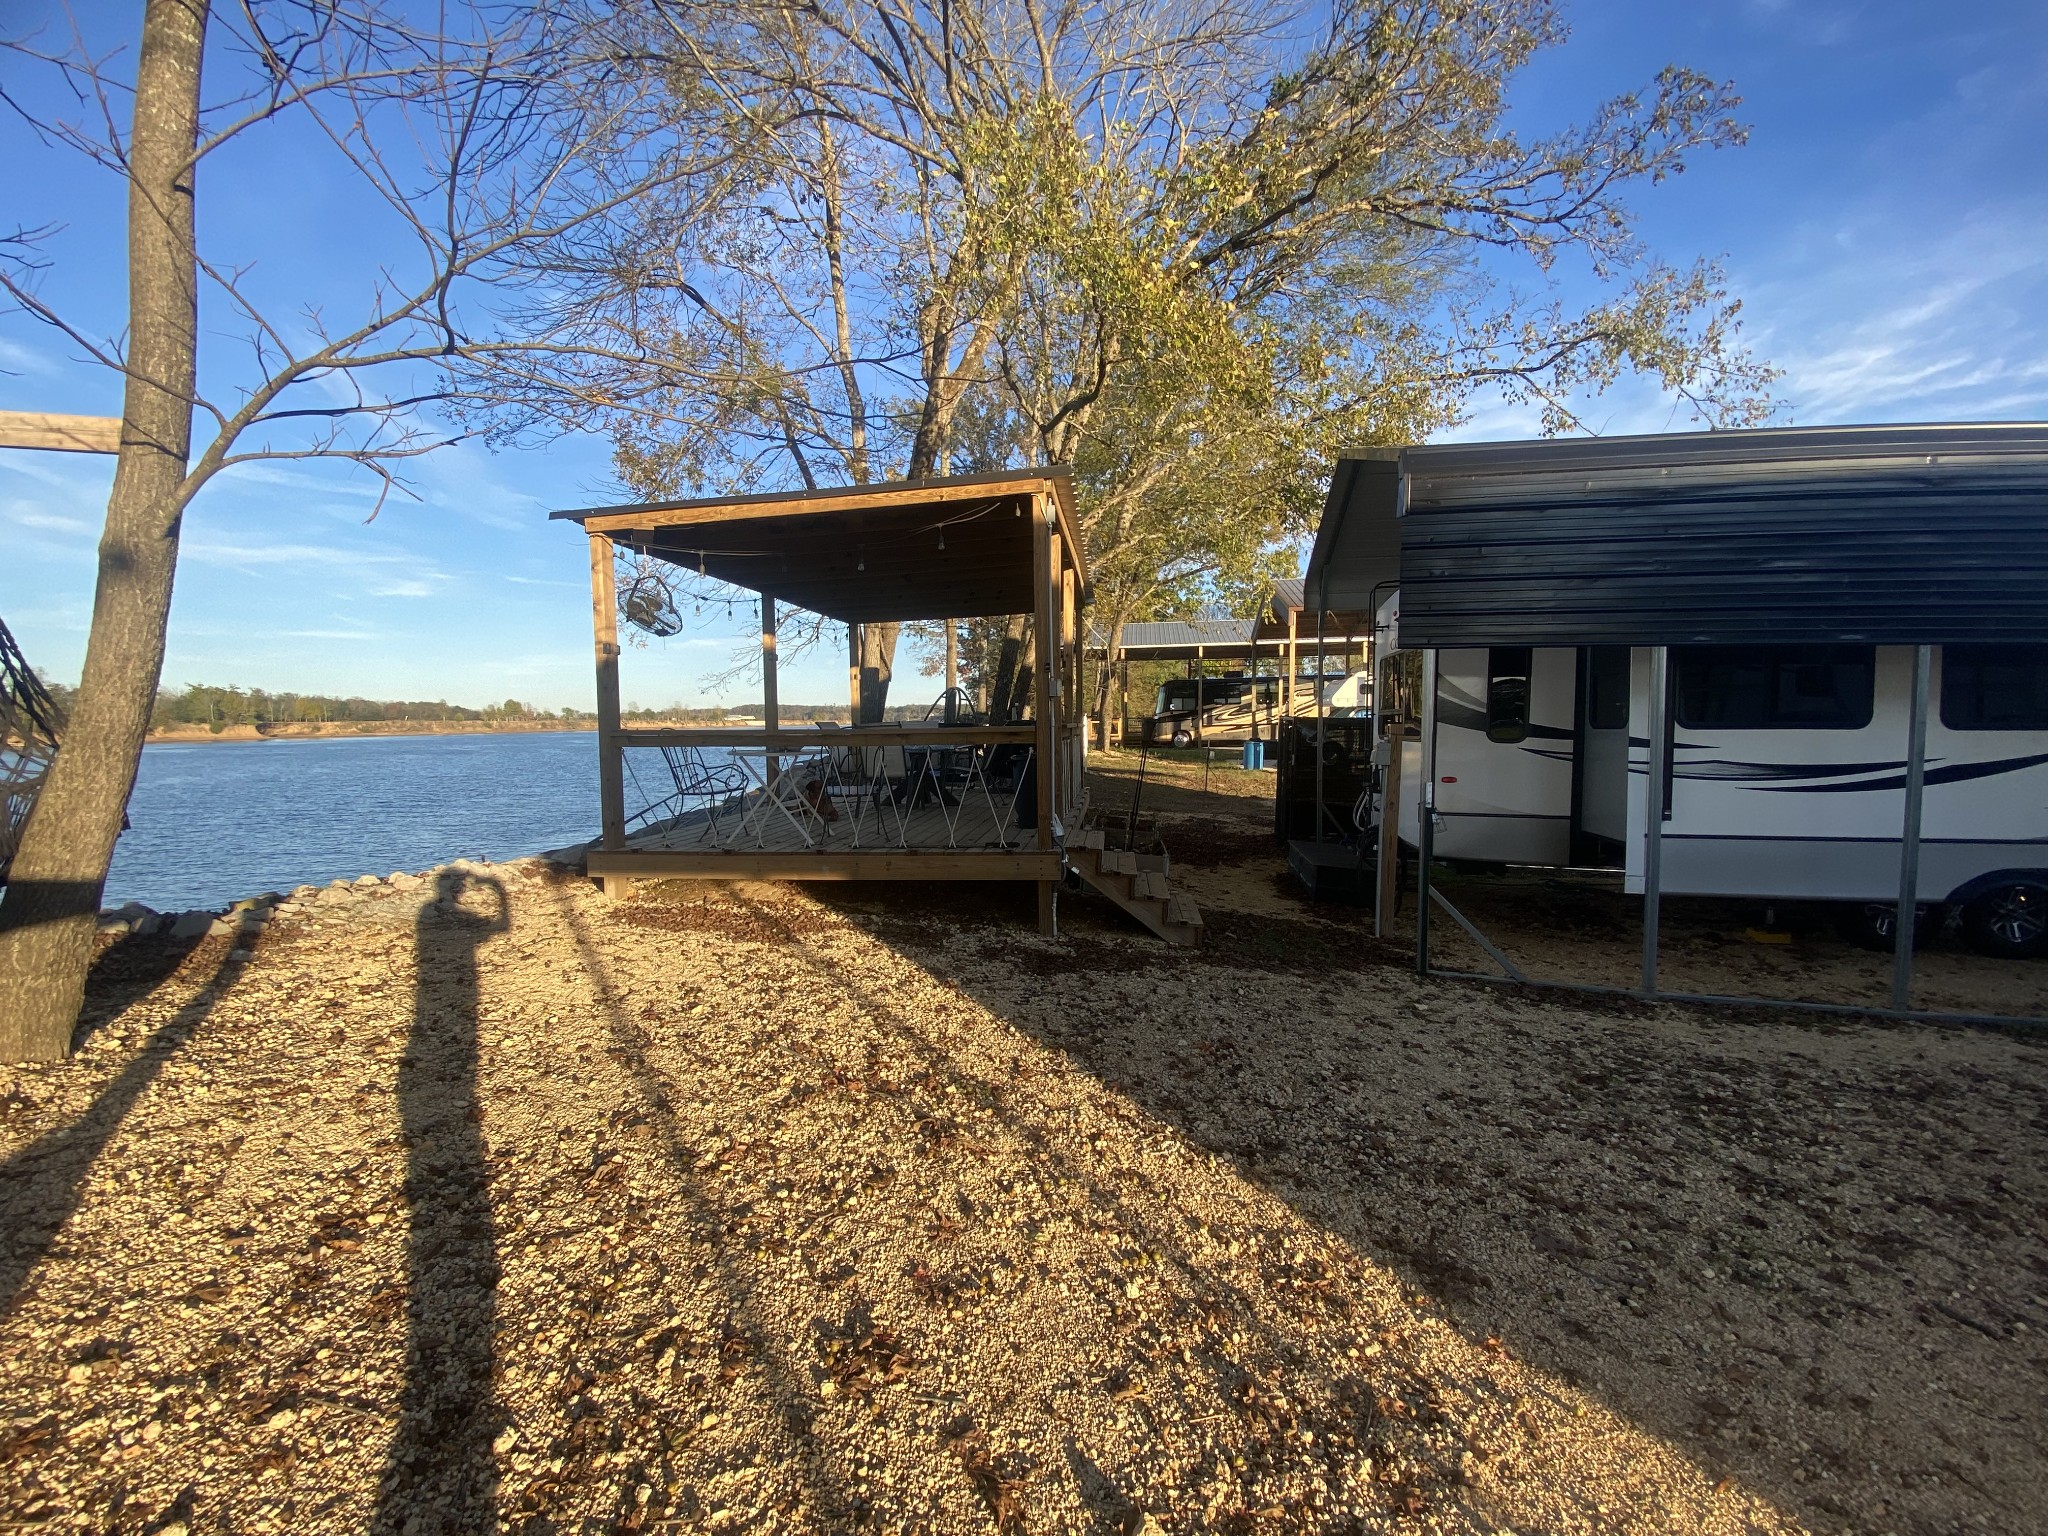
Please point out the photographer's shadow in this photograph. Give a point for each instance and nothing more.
(441, 1473)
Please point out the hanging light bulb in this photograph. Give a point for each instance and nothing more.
(942, 538)
(862, 563)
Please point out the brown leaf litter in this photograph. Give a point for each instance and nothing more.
(746, 1209)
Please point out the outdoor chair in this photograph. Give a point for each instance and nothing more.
(699, 796)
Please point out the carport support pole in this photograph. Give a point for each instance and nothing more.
(1909, 840)
(1320, 732)
(1657, 749)
(1425, 819)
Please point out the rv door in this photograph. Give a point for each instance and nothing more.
(1601, 798)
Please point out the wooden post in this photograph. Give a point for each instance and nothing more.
(604, 623)
(853, 674)
(1293, 658)
(952, 661)
(1077, 726)
(770, 702)
(1123, 698)
(1425, 812)
(1387, 899)
(1043, 555)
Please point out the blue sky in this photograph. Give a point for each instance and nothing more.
(1886, 226)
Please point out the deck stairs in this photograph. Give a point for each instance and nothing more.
(1137, 882)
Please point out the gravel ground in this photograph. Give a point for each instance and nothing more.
(488, 1202)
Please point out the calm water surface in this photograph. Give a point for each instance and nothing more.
(213, 822)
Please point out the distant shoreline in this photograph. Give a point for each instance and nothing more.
(333, 729)
(330, 730)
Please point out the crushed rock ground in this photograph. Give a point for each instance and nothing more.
(490, 1204)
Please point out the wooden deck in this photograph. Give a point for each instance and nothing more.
(863, 840)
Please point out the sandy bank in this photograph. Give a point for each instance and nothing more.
(317, 730)
(755, 1209)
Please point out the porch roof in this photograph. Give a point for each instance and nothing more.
(952, 548)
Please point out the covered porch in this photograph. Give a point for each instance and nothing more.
(958, 796)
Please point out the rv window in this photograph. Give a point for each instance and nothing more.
(1994, 687)
(1607, 687)
(1774, 687)
(1177, 697)
(1507, 693)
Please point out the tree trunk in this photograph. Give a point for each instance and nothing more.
(1011, 670)
(877, 666)
(49, 912)
(1105, 682)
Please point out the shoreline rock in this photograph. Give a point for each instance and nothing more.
(251, 913)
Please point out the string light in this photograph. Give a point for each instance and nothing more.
(942, 538)
(862, 563)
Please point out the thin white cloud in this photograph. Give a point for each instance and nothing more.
(344, 480)
(376, 574)
(26, 516)
(15, 357)
(1897, 325)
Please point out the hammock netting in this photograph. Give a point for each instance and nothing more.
(29, 724)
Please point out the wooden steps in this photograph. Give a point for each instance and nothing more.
(1138, 883)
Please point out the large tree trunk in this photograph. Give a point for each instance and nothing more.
(877, 666)
(48, 915)
(1013, 669)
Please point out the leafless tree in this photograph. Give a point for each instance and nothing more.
(488, 134)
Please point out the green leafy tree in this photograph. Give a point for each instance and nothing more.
(1188, 248)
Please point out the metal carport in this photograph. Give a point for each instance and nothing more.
(1888, 535)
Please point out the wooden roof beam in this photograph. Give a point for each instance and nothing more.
(64, 434)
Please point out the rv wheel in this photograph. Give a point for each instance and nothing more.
(2010, 922)
(1183, 739)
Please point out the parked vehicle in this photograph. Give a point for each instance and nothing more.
(1228, 711)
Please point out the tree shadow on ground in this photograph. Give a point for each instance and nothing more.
(1807, 1254)
(441, 1474)
(916, 1090)
(771, 1360)
(44, 1180)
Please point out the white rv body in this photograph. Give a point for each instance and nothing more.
(1780, 813)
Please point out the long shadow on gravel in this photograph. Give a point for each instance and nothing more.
(440, 1475)
(1810, 1255)
(1807, 1255)
(830, 1497)
(40, 1184)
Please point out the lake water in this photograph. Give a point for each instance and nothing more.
(212, 822)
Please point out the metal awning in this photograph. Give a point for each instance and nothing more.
(1357, 555)
(1872, 535)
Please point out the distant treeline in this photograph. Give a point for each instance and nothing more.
(220, 708)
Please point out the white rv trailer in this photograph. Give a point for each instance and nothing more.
(1787, 725)
(1541, 760)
